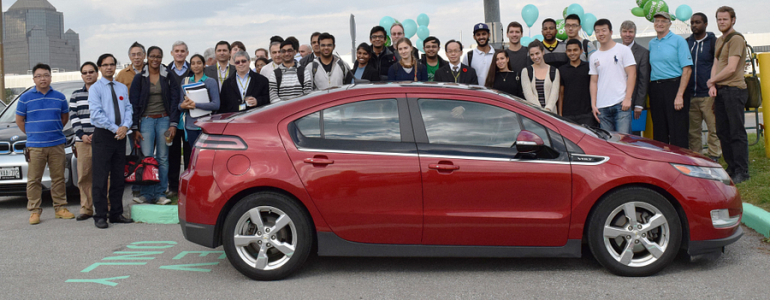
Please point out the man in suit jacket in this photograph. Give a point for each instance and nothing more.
(245, 90)
(455, 71)
(222, 69)
(642, 57)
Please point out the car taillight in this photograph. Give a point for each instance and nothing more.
(220, 142)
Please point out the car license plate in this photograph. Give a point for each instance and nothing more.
(8, 173)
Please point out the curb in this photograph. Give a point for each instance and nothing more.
(757, 219)
(155, 214)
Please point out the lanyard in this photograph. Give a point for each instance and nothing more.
(222, 78)
(243, 86)
(456, 76)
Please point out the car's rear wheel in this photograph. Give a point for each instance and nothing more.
(634, 232)
(267, 236)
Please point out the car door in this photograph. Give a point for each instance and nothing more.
(477, 190)
(358, 161)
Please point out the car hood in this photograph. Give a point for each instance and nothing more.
(647, 149)
(9, 130)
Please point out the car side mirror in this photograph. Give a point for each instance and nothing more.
(528, 142)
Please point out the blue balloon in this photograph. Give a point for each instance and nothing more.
(423, 32)
(525, 40)
(683, 12)
(575, 9)
(588, 23)
(410, 28)
(530, 13)
(419, 45)
(539, 37)
(386, 22)
(423, 20)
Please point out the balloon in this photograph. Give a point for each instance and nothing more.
(564, 13)
(530, 13)
(387, 41)
(641, 3)
(588, 23)
(525, 40)
(419, 45)
(683, 12)
(637, 11)
(386, 22)
(539, 37)
(673, 17)
(561, 33)
(575, 9)
(410, 28)
(654, 6)
(423, 20)
(423, 32)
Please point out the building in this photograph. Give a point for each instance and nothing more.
(33, 32)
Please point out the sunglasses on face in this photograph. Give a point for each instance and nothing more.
(242, 61)
(88, 72)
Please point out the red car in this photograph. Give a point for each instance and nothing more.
(439, 170)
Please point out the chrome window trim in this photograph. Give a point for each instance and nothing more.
(356, 152)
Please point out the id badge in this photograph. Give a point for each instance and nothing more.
(242, 106)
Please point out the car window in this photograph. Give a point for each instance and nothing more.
(537, 129)
(468, 123)
(371, 120)
(9, 115)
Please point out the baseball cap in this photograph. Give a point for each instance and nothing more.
(480, 26)
(662, 14)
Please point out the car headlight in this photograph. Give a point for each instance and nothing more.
(717, 174)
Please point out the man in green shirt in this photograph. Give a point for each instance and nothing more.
(430, 59)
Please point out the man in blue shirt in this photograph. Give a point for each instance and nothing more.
(41, 113)
(111, 115)
(671, 65)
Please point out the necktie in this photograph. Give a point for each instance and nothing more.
(115, 104)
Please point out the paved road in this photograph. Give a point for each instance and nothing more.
(62, 259)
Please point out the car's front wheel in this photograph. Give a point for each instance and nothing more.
(267, 236)
(634, 232)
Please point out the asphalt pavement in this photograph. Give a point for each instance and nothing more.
(67, 259)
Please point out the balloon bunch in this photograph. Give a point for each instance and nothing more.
(648, 9)
(420, 27)
(530, 14)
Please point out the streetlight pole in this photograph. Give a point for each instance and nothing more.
(492, 19)
(2, 57)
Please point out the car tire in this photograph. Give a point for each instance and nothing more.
(638, 246)
(274, 249)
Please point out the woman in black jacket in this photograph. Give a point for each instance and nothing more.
(362, 70)
(501, 78)
(154, 96)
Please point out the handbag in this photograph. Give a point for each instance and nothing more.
(140, 169)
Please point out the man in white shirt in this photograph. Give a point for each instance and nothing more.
(480, 58)
(275, 55)
(613, 76)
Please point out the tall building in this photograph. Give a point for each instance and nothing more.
(33, 32)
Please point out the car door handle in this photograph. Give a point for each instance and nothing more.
(319, 161)
(443, 167)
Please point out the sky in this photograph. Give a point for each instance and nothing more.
(112, 26)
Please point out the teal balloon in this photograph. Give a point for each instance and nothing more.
(530, 13)
(588, 23)
(564, 12)
(525, 40)
(575, 9)
(410, 28)
(419, 45)
(386, 22)
(539, 37)
(683, 12)
(423, 32)
(423, 20)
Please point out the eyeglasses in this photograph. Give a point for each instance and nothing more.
(377, 37)
(454, 51)
(137, 54)
(155, 57)
(88, 72)
(42, 76)
(327, 45)
(242, 61)
(572, 26)
(430, 47)
(108, 65)
(287, 51)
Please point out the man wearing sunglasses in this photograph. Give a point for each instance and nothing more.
(84, 130)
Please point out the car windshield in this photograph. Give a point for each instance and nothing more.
(66, 88)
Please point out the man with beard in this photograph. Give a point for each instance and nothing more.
(430, 59)
(701, 45)
(382, 57)
(555, 51)
(329, 70)
(480, 58)
(517, 53)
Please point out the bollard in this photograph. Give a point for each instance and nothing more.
(764, 81)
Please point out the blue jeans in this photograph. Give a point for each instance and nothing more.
(155, 143)
(613, 118)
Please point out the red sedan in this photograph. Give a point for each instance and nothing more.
(432, 170)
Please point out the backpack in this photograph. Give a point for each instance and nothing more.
(752, 82)
(347, 76)
(300, 76)
(470, 57)
(551, 72)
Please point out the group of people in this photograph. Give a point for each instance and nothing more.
(146, 102)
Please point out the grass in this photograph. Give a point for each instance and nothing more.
(757, 189)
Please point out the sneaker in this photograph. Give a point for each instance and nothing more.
(63, 213)
(171, 194)
(140, 199)
(163, 200)
(135, 193)
(34, 218)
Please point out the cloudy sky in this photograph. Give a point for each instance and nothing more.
(111, 26)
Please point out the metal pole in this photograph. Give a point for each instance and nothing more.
(764, 79)
(492, 18)
(2, 58)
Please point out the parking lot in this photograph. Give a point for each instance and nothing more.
(66, 259)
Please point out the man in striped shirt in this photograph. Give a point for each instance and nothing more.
(289, 81)
(41, 113)
(81, 124)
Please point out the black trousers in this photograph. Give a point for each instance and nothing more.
(669, 125)
(175, 160)
(583, 119)
(729, 108)
(108, 161)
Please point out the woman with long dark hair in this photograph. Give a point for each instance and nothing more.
(408, 67)
(362, 70)
(501, 78)
(191, 132)
(540, 82)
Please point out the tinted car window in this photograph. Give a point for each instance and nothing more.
(372, 120)
(537, 129)
(9, 115)
(467, 123)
